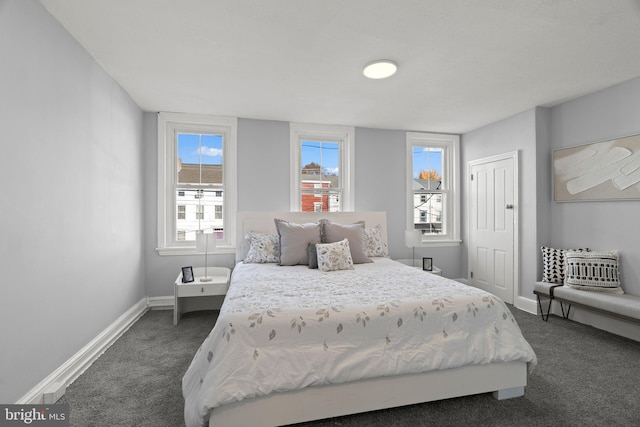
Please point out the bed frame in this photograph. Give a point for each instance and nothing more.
(504, 380)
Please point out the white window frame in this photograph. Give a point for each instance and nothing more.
(169, 124)
(344, 136)
(451, 177)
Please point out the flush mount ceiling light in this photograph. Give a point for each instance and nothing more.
(380, 69)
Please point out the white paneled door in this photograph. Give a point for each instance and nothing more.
(493, 225)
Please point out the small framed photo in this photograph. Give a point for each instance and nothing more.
(427, 264)
(187, 274)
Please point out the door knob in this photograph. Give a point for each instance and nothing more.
(509, 206)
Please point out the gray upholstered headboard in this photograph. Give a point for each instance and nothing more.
(263, 222)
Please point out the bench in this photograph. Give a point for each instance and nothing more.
(621, 306)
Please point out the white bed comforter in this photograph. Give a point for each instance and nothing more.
(285, 328)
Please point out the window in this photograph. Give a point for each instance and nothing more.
(433, 201)
(321, 168)
(197, 169)
(199, 215)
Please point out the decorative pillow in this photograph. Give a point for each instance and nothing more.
(593, 271)
(334, 256)
(294, 240)
(553, 264)
(373, 245)
(262, 248)
(332, 232)
(313, 255)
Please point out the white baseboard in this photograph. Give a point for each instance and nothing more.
(53, 386)
(527, 304)
(161, 303)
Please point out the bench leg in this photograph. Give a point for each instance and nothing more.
(544, 317)
(566, 316)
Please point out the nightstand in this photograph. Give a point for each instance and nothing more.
(435, 270)
(198, 295)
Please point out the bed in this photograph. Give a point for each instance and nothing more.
(294, 344)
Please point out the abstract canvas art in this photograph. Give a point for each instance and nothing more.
(608, 170)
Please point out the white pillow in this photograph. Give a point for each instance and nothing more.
(553, 264)
(593, 271)
(334, 256)
(262, 248)
(373, 245)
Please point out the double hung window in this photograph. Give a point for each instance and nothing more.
(321, 168)
(433, 202)
(196, 180)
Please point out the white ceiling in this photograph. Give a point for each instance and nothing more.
(462, 63)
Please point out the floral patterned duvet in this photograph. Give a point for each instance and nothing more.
(285, 328)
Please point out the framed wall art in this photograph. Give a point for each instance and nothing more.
(607, 170)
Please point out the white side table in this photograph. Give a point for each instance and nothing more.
(435, 270)
(199, 295)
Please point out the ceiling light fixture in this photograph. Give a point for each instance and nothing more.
(380, 69)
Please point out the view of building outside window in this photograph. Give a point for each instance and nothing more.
(320, 176)
(428, 189)
(199, 187)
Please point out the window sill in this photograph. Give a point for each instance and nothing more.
(437, 243)
(190, 250)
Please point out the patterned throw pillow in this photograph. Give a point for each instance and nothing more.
(593, 271)
(262, 248)
(554, 265)
(334, 256)
(373, 245)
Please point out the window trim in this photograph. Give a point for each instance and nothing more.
(168, 124)
(344, 135)
(451, 144)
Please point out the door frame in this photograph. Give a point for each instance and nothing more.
(516, 215)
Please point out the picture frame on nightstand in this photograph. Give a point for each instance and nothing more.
(427, 264)
(187, 275)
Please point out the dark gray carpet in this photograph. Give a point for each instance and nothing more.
(137, 381)
(584, 377)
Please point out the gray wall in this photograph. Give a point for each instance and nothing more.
(544, 182)
(607, 114)
(511, 134)
(79, 202)
(162, 271)
(263, 165)
(380, 186)
(71, 199)
(263, 185)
